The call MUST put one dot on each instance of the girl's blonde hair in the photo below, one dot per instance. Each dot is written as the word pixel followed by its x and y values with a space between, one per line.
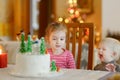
pixel 55 26
pixel 112 44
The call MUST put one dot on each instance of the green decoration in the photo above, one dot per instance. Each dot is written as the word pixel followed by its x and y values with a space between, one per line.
pixel 53 66
pixel 29 44
pixel 42 46
pixel 22 46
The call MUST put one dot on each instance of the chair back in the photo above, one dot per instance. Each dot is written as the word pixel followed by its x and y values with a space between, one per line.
pixel 77 35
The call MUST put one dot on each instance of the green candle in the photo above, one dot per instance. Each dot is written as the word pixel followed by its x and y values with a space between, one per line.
pixel 42 46
pixel 22 46
pixel 29 43
pixel 53 66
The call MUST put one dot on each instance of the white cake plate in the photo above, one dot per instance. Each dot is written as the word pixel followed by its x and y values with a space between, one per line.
pixel 45 75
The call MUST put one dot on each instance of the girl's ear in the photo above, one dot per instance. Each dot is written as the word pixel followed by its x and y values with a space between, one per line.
pixel 114 54
pixel 47 39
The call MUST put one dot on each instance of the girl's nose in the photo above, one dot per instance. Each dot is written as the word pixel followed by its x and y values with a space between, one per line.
pixel 100 51
pixel 58 41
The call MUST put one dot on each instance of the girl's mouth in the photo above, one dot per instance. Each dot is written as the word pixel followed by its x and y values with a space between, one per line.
pixel 100 56
pixel 57 45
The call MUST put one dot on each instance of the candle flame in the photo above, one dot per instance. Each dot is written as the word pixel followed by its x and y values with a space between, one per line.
pixel 0 51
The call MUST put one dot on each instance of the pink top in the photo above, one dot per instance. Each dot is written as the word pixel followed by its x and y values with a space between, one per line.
pixel 64 60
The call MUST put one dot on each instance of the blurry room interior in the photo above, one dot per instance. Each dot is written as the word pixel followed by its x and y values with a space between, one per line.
pixel 34 16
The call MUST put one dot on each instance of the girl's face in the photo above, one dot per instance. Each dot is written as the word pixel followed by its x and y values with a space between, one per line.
pixel 105 53
pixel 57 40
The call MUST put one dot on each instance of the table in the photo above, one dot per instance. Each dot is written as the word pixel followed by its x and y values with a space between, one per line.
pixel 69 74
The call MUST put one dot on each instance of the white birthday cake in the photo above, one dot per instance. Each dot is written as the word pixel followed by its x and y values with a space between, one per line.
pixel 30 64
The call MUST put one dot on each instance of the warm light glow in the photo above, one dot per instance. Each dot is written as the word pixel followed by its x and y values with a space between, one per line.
pixel 74 13
pixel 74 1
pixel 0 51
pixel 97 34
pixel 60 19
pixel 66 21
pixel 81 21
pixel 71 11
pixel 70 1
pixel 77 13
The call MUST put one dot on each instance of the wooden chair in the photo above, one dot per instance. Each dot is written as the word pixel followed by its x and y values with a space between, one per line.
pixel 75 36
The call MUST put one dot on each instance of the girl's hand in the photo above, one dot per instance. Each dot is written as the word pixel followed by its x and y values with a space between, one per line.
pixel 110 67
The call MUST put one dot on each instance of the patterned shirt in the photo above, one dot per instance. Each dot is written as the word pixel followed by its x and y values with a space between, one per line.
pixel 64 60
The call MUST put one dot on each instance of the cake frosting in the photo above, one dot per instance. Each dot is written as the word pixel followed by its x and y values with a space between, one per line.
pixel 32 64
pixel 28 61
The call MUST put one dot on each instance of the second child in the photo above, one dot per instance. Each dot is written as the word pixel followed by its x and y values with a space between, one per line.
pixel 109 54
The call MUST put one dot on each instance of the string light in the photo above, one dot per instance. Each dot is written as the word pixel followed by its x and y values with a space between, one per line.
pixel 74 13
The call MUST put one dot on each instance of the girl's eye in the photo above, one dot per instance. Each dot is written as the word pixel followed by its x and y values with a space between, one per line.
pixel 98 48
pixel 54 39
pixel 61 39
pixel 104 49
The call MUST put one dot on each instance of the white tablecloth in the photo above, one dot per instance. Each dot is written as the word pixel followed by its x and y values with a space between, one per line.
pixel 68 74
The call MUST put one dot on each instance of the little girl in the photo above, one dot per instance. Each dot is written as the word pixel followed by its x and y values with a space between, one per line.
pixel 109 54
pixel 56 38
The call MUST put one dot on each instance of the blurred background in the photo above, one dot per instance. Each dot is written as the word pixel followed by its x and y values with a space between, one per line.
pixel 34 16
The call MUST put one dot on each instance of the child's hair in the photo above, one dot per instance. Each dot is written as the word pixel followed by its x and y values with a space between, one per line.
pixel 55 26
pixel 112 44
